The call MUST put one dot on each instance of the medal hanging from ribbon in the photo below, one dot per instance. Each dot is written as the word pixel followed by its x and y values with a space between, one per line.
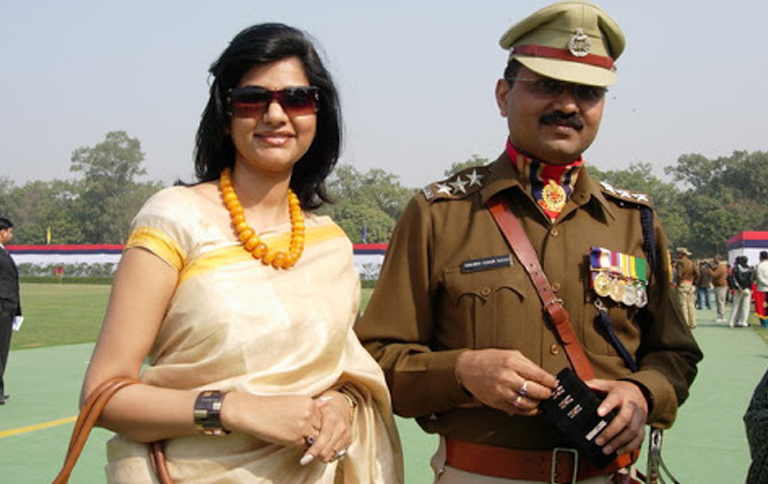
pixel 622 277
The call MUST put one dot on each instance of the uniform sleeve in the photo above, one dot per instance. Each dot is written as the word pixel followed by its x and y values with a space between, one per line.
pixel 668 353
pixel 398 324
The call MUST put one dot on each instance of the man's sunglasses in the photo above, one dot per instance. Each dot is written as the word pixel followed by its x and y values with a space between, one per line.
pixel 253 101
pixel 546 87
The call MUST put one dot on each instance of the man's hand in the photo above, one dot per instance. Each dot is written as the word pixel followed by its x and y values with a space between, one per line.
pixel 505 379
pixel 625 433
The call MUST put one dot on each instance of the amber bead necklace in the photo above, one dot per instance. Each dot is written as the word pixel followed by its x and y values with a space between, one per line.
pixel 251 240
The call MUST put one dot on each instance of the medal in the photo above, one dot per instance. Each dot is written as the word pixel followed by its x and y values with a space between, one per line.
pixel 630 295
pixel 642 297
pixel 620 276
pixel 601 284
pixel 617 290
pixel 553 197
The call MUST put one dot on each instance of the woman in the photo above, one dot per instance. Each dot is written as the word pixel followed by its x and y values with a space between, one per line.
pixel 742 279
pixel 242 302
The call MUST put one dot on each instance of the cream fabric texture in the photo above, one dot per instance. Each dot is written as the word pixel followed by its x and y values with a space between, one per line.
pixel 235 324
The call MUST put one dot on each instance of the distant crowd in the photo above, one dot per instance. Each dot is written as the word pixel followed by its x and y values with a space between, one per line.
pixel 714 283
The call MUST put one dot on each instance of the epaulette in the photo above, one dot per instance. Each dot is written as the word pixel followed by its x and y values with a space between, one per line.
pixel 457 186
pixel 625 196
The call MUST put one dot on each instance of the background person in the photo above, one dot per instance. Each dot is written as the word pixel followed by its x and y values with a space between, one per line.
pixel 704 285
pixel 720 283
pixel 455 320
pixel 10 301
pixel 761 294
pixel 687 275
pixel 242 299
pixel 743 277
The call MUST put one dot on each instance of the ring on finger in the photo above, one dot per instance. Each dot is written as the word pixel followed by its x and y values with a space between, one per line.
pixel 339 455
pixel 311 439
pixel 523 389
pixel 518 401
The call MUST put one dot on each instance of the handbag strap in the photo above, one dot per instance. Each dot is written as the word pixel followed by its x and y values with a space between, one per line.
pixel 86 420
pixel 553 306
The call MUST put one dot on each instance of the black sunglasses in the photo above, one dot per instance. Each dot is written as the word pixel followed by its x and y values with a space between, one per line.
pixel 546 87
pixel 253 101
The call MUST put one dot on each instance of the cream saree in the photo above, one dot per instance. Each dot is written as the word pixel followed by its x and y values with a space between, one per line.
pixel 235 324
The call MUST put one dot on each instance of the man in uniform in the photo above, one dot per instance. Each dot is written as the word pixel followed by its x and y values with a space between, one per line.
pixel 720 281
pixel 687 276
pixel 455 321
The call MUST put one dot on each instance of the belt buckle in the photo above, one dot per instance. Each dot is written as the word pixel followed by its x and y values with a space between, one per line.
pixel 553 472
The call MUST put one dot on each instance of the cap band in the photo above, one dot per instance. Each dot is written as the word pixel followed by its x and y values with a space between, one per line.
pixel 533 50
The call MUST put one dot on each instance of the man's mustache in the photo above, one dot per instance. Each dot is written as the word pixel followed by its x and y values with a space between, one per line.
pixel 559 118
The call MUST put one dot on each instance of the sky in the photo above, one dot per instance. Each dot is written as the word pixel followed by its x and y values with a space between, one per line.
pixel 416 79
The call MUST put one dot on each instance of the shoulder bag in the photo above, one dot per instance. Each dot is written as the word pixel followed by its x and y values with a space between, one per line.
pixel 90 412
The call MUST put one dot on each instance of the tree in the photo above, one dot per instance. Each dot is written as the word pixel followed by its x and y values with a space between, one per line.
pixel 42 206
pixel 111 196
pixel 639 177
pixel 474 160
pixel 726 197
pixel 373 200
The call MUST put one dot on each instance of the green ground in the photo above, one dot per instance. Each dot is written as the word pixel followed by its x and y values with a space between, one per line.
pixel 707 444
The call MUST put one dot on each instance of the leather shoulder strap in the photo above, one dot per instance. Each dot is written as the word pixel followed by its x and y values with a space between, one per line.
pixel 552 305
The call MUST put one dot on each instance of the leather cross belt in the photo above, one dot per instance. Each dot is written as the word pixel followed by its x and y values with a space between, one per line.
pixel 560 465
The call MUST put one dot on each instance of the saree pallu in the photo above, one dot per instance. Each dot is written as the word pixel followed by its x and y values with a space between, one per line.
pixel 235 324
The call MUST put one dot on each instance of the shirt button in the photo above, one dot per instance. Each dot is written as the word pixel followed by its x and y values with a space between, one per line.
pixel 486 291
pixel 556 286
pixel 554 349
pixel 554 232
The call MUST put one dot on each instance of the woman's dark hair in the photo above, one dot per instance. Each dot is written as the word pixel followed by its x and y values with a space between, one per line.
pixel 264 44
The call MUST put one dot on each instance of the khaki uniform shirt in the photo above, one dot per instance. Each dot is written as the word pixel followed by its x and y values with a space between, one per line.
pixel 425 311
pixel 686 270
pixel 720 275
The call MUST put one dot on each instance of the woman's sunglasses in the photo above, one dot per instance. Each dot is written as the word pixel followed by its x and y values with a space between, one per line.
pixel 253 101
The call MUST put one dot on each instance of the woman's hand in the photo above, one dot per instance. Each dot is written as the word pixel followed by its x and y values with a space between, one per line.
pixel 286 420
pixel 336 434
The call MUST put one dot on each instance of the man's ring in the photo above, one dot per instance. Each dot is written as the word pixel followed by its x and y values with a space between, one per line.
pixel 310 440
pixel 518 401
pixel 523 390
pixel 339 455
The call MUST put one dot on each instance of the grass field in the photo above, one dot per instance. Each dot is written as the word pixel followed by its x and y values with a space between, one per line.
pixel 60 314
pixel 62 321
pixel 61 324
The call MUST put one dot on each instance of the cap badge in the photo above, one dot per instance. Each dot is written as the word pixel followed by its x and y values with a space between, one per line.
pixel 579 44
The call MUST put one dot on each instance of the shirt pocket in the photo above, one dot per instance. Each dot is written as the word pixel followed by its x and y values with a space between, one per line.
pixel 486 306
pixel 624 325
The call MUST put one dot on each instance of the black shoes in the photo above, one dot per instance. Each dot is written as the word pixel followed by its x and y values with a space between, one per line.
pixel 5 397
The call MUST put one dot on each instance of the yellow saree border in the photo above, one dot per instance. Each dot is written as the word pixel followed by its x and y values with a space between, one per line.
pixel 158 242
pixel 235 253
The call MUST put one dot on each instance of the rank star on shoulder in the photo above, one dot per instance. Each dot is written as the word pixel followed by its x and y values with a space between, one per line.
pixel 443 188
pixel 474 178
pixel 459 185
